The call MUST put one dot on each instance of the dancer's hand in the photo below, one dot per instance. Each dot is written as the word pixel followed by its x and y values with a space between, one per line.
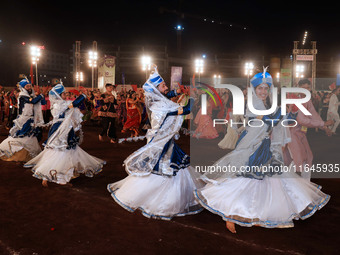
pixel 329 123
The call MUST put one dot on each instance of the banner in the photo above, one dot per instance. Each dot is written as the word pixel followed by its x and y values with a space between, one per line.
pixel 304 57
pixel 106 71
pixel 338 80
pixel 286 78
pixel 176 77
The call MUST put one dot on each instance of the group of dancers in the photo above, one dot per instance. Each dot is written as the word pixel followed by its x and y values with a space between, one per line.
pixel 62 159
pixel 160 182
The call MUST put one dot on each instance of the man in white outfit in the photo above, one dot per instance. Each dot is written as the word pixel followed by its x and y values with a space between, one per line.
pixel 332 113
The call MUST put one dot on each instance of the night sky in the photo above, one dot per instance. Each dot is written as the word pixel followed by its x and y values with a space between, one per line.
pixel 271 26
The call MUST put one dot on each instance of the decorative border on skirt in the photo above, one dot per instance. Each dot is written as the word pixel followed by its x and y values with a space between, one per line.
pixel 76 173
pixel 247 222
pixel 197 208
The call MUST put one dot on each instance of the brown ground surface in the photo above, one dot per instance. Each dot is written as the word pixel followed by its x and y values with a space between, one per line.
pixel 84 219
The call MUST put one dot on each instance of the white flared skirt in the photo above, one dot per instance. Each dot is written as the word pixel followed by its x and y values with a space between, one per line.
pixel 157 196
pixel 11 145
pixel 60 166
pixel 272 202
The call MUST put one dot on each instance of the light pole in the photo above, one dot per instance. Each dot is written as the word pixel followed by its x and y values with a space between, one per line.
pixel 146 65
pixel 217 79
pixel 179 29
pixel 248 68
pixel 93 56
pixel 278 77
pixel 79 77
pixel 199 65
pixel 299 71
pixel 35 54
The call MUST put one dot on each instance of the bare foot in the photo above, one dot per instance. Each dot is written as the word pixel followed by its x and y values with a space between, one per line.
pixel 67 184
pixel 231 227
pixel 44 183
pixel 100 138
pixel 112 141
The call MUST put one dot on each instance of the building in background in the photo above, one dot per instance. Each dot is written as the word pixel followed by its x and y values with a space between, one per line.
pixel 128 68
pixel 50 65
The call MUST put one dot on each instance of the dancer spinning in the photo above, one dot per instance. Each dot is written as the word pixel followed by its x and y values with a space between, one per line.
pixel 63 159
pixel 159 182
pixel 270 199
pixel 22 143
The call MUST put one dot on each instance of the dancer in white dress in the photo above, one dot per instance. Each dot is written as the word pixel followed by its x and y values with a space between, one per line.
pixel 63 159
pixel 254 196
pixel 160 181
pixel 22 143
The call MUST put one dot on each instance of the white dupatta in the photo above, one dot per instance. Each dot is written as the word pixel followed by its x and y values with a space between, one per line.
pixel 73 118
pixel 163 128
pixel 28 112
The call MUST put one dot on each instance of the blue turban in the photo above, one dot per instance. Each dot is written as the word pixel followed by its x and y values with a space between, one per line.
pixel 261 78
pixel 24 82
pixel 155 79
pixel 59 88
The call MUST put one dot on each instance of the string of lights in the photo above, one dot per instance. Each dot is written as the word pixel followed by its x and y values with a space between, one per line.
pixel 227 24
pixel 304 38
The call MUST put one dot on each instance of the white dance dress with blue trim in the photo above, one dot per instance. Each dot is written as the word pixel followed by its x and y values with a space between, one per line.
pixel 247 193
pixel 62 159
pixel 160 181
pixel 26 131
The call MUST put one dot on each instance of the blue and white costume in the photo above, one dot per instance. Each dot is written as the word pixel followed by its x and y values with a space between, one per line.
pixel 248 194
pixel 160 181
pixel 26 130
pixel 63 159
